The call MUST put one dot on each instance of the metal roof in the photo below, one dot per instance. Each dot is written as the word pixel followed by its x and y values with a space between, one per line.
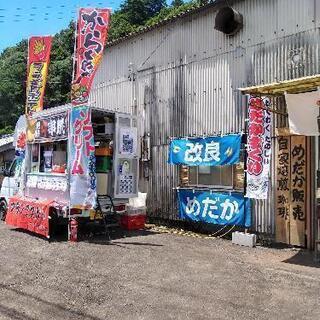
pixel 188 12
pixel 6 140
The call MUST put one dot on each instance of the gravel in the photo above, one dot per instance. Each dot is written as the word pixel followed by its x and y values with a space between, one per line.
pixel 148 275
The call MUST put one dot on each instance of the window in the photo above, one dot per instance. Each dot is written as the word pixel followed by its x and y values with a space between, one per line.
pixel 220 177
pixel 48 157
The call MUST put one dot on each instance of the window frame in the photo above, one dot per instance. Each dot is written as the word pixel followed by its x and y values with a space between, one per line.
pixel 220 187
pixel 233 187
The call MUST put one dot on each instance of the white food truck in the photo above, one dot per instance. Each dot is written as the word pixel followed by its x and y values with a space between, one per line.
pixel 50 171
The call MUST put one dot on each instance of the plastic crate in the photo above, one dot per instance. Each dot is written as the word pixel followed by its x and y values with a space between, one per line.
pixel 133 211
pixel 133 222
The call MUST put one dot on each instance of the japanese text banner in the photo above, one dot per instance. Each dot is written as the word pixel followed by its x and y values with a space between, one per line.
pixel 259 148
pixel 38 63
pixel 209 151
pixel 215 208
pixel 91 37
pixel 82 160
pixel 29 214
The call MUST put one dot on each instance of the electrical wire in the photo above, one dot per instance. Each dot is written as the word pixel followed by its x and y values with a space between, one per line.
pixel 21 14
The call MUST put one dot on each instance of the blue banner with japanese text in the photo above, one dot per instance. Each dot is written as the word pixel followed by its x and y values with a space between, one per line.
pixel 216 208
pixel 206 151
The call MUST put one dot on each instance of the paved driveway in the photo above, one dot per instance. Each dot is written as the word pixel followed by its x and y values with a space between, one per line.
pixel 153 276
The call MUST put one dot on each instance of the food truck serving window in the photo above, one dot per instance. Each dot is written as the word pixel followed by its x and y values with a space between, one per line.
pixel 47 139
pixel 48 157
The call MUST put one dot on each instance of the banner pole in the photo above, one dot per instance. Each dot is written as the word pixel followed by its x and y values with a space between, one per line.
pixel 245 158
pixel 75 48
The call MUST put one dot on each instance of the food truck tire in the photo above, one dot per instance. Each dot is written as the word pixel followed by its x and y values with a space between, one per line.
pixel 53 224
pixel 3 209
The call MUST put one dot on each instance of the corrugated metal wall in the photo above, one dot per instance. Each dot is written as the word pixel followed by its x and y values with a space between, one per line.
pixel 187 75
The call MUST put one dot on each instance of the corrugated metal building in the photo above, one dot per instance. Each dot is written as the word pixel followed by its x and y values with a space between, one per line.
pixel 186 75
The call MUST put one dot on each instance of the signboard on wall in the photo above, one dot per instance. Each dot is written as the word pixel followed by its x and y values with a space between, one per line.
pixel 291 202
pixel 207 151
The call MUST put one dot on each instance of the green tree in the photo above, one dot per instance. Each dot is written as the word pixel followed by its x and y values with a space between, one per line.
pixel 154 6
pixel 177 3
pixel 138 11
pixel 60 68
pixel 120 26
pixel 13 62
pixel 132 15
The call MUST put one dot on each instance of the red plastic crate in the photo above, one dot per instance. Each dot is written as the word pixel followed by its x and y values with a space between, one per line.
pixel 133 222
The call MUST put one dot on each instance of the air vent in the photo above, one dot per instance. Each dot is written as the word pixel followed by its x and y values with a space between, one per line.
pixel 228 21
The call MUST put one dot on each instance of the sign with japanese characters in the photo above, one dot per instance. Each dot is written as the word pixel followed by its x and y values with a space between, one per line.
pixel 208 151
pixel 258 148
pixel 29 214
pixel 291 191
pixel 216 208
pixel 82 161
pixel 38 63
pixel 92 30
pixel 283 168
pixel 52 183
pixel 51 128
pixel 128 141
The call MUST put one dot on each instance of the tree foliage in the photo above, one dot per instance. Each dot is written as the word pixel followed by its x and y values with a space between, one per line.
pixel 177 3
pixel 132 15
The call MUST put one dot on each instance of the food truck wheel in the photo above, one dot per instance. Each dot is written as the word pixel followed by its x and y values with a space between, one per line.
pixel 3 209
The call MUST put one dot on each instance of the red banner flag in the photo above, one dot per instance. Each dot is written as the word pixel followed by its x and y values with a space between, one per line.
pixel 92 30
pixel 38 63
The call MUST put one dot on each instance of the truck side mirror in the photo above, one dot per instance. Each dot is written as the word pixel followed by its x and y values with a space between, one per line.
pixel 6 173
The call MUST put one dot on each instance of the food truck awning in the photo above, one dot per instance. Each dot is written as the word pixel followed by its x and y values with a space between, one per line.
pixel 297 85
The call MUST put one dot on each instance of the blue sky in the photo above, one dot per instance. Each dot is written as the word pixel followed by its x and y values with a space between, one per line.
pixel 21 18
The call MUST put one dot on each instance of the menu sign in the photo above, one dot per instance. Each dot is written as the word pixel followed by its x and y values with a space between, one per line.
pixel 51 128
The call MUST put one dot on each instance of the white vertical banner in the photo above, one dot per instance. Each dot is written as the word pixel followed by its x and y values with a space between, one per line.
pixel 258 147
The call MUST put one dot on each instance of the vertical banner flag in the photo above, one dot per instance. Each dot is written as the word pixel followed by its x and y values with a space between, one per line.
pixel 82 160
pixel 215 208
pixel 259 147
pixel 38 63
pixel 92 30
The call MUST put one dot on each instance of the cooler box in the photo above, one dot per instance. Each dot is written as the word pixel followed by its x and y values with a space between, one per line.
pixel 133 219
pixel 103 183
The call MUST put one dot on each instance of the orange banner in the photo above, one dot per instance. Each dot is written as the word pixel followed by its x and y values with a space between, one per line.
pixel 38 63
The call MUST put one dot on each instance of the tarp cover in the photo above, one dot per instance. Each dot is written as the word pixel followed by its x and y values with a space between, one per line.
pixel 303 112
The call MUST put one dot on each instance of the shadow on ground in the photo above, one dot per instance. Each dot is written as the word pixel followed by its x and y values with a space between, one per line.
pixel 303 258
pixel 60 309
pixel 97 236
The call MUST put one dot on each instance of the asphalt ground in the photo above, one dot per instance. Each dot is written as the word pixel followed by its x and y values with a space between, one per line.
pixel 150 275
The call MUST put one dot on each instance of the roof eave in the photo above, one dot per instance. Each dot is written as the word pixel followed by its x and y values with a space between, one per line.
pixel 297 85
